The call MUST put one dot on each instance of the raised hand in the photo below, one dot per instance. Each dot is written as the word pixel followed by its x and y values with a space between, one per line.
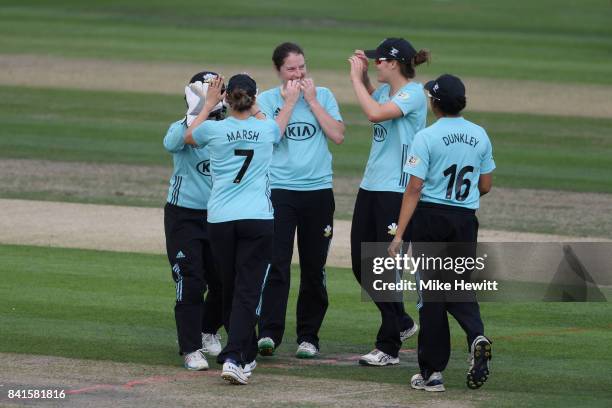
pixel 291 91
pixel 309 89
pixel 357 68
pixel 361 55
pixel 215 92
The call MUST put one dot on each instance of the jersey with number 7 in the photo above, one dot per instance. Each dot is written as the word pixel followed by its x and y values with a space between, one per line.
pixel 240 157
pixel 449 156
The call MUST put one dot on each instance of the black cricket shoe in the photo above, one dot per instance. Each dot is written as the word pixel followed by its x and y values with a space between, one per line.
pixel 478 372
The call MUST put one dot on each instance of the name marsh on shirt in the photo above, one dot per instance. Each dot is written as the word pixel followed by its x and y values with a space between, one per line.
pixel 243 134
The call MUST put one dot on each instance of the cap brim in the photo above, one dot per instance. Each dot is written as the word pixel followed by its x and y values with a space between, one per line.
pixel 371 54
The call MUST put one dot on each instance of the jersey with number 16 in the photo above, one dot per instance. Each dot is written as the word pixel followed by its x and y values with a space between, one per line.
pixel 240 157
pixel 449 156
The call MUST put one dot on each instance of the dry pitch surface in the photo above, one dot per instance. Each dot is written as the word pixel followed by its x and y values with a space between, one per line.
pixel 102 384
pixel 510 96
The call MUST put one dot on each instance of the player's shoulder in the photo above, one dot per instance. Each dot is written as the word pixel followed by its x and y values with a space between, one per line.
pixel 178 125
pixel 411 90
pixel 476 128
pixel 322 90
pixel 269 93
pixel 424 135
pixel 271 125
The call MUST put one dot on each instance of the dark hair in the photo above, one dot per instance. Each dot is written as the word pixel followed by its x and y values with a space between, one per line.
pixel 407 69
pixel 451 108
pixel 239 100
pixel 282 51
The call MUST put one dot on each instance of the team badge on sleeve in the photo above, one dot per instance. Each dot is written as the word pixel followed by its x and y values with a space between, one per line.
pixel 327 231
pixel 403 96
pixel 413 161
pixel 392 229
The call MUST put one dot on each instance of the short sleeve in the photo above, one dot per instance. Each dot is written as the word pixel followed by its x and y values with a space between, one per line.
pixel 266 105
pixel 174 140
pixel 330 104
pixel 488 164
pixel 407 101
pixel 417 163
pixel 275 131
pixel 202 134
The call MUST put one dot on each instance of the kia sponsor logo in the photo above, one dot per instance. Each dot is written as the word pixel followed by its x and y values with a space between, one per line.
pixel 380 133
pixel 203 167
pixel 300 131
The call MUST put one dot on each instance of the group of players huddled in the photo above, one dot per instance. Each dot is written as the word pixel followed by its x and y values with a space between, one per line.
pixel 253 169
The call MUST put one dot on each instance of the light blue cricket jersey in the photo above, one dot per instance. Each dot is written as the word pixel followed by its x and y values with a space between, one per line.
pixel 302 160
pixel 392 138
pixel 450 156
pixel 190 183
pixel 240 156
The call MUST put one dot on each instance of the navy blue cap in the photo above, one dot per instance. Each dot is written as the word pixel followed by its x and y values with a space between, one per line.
pixel 393 49
pixel 242 81
pixel 447 88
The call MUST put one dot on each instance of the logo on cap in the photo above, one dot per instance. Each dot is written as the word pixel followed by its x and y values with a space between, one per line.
pixel 394 51
pixel 436 87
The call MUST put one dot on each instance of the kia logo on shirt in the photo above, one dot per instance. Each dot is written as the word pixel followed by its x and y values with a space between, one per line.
pixel 300 131
pixel 203 167
pixel 380 133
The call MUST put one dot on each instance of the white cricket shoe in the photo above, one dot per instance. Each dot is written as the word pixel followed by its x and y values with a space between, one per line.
pixel 435 382
pixel 306 350
pixel 249 368
pixel 211 344
pixel 406 334
pixel 196 361
pixel 378 358
pixel 234 374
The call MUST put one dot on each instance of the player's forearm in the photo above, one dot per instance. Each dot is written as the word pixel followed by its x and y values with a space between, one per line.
pixel 370 107
pixel 409 203
pixel 368 85
pixel 283 117
pixel 332 128
pixel 202 116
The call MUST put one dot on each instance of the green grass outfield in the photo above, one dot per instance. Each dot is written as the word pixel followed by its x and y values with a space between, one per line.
pixel 549 40
pixel 531 151
pixel 118 306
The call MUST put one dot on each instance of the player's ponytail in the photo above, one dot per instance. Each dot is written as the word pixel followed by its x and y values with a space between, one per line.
pixel 451 107
pixel 239 100
pixel 421 57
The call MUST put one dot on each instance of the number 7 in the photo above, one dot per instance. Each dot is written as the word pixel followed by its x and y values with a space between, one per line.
pixel 248 157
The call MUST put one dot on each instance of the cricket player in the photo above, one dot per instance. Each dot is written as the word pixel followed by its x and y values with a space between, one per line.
pixel 187 240
pixel 301 181
pixel 240 213
pixel 397 110
pixel 450 166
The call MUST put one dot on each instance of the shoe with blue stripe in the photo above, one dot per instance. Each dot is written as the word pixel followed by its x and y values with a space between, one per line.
pixel 480 355
pixel 435 382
